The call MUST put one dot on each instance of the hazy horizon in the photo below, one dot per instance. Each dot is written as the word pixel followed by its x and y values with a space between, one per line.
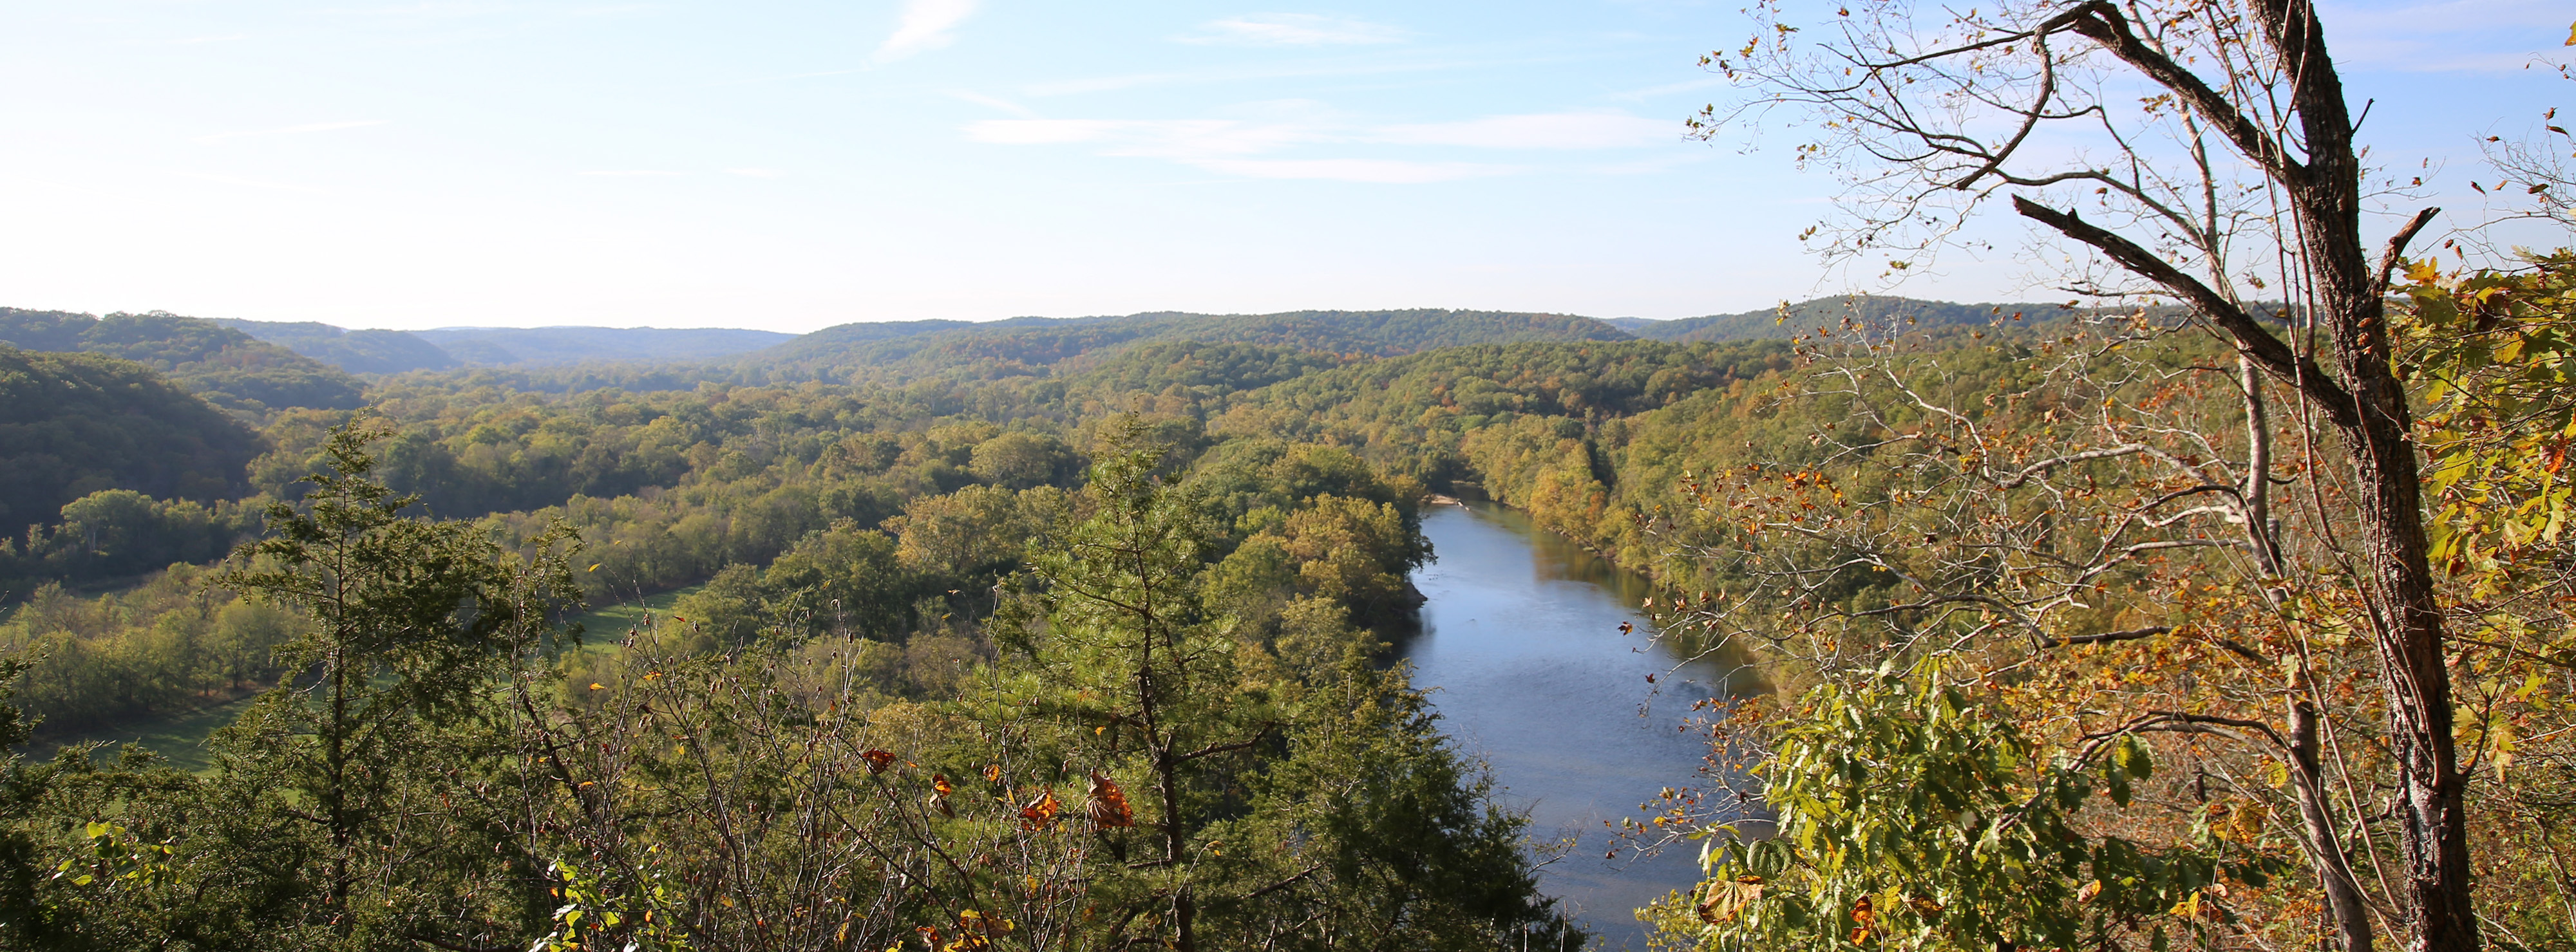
pixel 790 166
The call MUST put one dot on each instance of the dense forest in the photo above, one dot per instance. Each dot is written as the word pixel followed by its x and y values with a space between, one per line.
pixel 230 369
pixel 1072 635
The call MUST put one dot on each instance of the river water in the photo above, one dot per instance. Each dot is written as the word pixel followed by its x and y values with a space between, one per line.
pixel 1521 650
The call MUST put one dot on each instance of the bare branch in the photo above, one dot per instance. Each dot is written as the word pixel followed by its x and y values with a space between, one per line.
pixel 2275 357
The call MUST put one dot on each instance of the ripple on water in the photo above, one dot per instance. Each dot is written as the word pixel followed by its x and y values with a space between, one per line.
pixel 1521 650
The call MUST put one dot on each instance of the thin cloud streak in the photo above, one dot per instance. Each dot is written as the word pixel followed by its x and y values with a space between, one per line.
pixel 779 78
pixel 1667 89
pixel 925 25
pixel 1292 29
pixel 1374 171
pixel 252 183
pixel 1198 137
pixel 1242 148
pixel 994 102
pixel 1564 130
pixel 294 130
pixel 2475 36
pixel 1098 84
pixel 629 173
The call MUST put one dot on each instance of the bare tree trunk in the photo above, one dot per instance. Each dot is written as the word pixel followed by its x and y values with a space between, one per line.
pixel 2274 97
pixel 2345 906
pixel 2258 477
pixel 2407 619
pixel 2408 623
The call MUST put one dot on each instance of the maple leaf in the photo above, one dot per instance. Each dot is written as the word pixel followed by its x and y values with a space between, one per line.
pixel 1108 803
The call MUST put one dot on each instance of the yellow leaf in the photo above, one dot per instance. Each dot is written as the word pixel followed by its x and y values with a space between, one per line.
pixel 596 686
pixel 593 567
pixel 2571 34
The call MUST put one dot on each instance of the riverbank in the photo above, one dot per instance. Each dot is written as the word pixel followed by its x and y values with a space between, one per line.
pixel 1540 664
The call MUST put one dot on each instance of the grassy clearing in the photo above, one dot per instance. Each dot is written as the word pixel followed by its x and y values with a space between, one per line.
pixel 181 737
pixel 605 626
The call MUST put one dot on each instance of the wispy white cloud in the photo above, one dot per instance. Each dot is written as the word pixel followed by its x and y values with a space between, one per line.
pixel 1560 130
pixel 293 130
pixel 1381 171
pixel 1650 92
pixel 1250 147
pixel 1102 84
pixel 629 173
pixel 1310 69
pixel 1184 139
pixel 224 38
pixel 252 183
pixel 784 76
pixel 1650 166
pixel 925 25
pixel 755 173
pixel 1292 29
pixel 994 102
pixel 2447 35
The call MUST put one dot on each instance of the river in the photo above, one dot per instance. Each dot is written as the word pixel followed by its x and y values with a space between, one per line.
pixel 1521 650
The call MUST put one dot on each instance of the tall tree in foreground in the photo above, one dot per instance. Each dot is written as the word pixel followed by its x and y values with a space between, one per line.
pixel 2212 144
pixel 373 741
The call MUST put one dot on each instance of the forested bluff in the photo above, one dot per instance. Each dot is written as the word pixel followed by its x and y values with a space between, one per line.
pixel 1070 634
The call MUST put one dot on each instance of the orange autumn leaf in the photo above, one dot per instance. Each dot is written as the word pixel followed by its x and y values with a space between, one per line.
pixel 1108 803
pixel 1040 812
pixel 939 790
pixel 877 760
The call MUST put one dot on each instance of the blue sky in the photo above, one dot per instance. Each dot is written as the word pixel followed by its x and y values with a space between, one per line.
pixel 794 165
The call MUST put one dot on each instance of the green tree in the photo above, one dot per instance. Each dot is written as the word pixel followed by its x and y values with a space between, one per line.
pixel 1128 653
pixel 2493 354
pixel 1912 814
pixel 1288 793
pixel 2200 152
pixel 412 622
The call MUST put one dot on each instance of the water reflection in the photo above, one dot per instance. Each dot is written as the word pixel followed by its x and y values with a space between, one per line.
pixel 1521 645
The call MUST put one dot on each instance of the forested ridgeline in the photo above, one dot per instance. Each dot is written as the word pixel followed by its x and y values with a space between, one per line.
pixel 1875 310
pixel 1991 569
pixel 671 488
pixel 108 470
pixel 1143 710
pixel 228 368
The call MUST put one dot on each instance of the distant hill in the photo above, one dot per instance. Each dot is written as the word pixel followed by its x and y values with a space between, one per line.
pixel 75 423
pixel 228 368
pixel 554 346
pixel 365 352
pixel 1037 345
pixel 1829 311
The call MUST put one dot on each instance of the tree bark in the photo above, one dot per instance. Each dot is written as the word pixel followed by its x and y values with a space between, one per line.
pixel 2365 402
pixel 2345 906
pixel 2407 618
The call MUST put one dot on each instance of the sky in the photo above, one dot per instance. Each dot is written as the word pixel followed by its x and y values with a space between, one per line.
pixel 789 166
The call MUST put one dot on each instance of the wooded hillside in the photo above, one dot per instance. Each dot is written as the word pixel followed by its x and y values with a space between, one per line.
pixel 227 367
pixel 72 424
